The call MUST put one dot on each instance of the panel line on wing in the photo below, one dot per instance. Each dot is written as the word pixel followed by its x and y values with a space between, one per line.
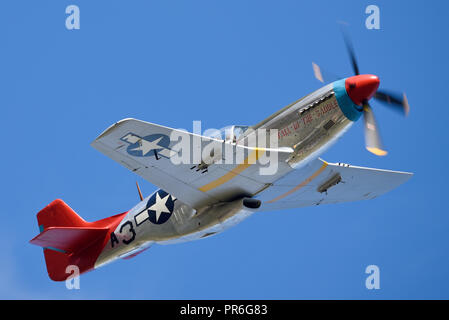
pixel 302 184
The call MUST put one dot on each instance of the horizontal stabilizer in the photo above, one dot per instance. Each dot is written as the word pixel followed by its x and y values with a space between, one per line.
pixel 69 239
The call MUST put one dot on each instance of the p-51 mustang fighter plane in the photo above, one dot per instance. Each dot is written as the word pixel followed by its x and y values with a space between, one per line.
pixel 197 200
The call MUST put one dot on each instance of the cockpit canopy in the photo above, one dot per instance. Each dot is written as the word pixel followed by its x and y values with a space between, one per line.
pixel 228 133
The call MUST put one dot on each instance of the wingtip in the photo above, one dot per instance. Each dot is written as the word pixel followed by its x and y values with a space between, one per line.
pixel 112 127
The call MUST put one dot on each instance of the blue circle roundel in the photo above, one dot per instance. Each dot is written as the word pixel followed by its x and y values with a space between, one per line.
pixel 160 207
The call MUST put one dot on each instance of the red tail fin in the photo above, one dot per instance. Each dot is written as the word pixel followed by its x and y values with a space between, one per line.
pixel 69 240
pixel 59 214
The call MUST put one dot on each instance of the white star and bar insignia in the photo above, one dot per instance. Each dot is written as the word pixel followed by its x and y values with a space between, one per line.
pixel 158 210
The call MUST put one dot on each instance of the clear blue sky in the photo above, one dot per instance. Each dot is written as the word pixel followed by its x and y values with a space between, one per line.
pixel 222 62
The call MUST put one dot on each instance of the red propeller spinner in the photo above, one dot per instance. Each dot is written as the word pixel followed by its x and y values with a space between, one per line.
pixel 361 88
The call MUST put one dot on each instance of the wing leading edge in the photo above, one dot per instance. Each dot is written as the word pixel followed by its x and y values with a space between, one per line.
pixel 148 150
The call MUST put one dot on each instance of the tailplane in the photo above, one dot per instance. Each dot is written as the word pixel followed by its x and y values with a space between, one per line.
pixel 68 239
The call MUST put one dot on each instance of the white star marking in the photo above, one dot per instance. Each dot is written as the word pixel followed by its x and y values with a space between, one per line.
pixel 146 146
pixel 160 206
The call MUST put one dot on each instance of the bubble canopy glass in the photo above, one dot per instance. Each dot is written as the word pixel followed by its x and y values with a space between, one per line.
pixel 228 133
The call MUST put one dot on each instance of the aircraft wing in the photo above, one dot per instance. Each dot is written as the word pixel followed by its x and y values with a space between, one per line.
pixel 320 182
pixel 148 150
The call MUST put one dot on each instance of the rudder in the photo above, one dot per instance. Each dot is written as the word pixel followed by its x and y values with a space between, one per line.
pixel 68 239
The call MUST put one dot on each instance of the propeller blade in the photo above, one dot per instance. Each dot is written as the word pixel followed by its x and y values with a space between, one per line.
pixel 317 72
pixel 350 48
pixel 324 75
pixel 372 137
pixel 399 103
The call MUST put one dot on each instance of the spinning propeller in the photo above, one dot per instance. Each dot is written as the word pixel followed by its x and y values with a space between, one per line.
pixel 361 88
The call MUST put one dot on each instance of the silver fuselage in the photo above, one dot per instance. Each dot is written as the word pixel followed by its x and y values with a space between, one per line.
pixel 308 135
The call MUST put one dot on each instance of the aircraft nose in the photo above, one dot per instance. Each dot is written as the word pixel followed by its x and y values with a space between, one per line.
pixel 361 87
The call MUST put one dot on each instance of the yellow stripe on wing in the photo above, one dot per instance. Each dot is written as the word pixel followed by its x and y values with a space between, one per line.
pixel 251 159
pixel 302 184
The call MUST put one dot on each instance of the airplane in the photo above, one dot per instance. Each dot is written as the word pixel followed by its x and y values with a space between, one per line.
pixel 199 199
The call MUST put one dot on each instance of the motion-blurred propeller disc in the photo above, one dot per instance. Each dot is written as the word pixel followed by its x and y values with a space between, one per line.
pixel 361 88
